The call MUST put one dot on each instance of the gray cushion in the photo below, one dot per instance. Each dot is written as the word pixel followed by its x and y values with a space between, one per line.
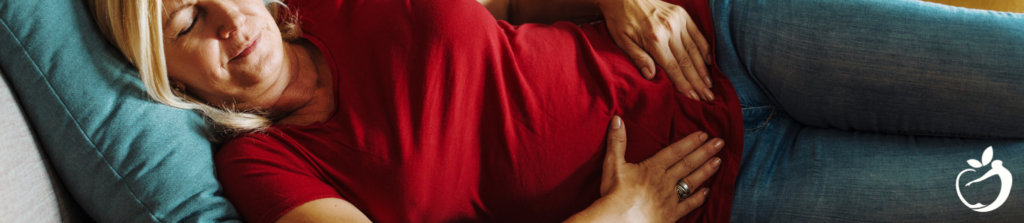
pixel 29 189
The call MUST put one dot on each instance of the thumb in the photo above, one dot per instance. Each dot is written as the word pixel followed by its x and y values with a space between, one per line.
pixel 615 153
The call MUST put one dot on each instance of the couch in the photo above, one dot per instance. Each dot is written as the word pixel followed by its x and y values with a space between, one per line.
pixel 67 143
pixel 30 191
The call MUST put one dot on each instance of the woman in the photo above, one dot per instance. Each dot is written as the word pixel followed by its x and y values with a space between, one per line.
pixel 453 117
pixel 409 111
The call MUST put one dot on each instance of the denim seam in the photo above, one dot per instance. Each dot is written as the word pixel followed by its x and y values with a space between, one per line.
pixel 751 107
pixel 946 134
pixel 766 120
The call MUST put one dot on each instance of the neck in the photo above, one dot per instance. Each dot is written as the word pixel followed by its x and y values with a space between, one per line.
pixel 308 97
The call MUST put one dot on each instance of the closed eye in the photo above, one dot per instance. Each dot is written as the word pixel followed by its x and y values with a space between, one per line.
pixel 195 18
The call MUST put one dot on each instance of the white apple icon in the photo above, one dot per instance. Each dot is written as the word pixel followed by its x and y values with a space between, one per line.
pixel 997 170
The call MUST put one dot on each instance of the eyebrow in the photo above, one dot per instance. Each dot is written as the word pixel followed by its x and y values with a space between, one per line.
pixel 174 13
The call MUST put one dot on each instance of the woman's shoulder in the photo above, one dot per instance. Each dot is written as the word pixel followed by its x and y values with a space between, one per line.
pixel 254 144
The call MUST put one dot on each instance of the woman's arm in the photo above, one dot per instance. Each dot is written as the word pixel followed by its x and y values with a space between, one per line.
pixel 498 8
pixel 649 31
pixel 324 210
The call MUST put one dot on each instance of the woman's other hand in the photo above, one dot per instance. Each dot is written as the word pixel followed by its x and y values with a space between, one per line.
pixel 653 31
pixel 646 191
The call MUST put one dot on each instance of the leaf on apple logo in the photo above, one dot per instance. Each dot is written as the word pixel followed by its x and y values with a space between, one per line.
pixel 974 163
pixel 986 157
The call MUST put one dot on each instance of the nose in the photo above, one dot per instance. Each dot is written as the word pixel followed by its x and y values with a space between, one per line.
pixel 233 20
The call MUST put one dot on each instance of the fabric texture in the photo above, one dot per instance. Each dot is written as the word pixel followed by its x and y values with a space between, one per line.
pixel 124 157
pixel 814 171
pixel 846 65
pixel 26 192
pixel 445 114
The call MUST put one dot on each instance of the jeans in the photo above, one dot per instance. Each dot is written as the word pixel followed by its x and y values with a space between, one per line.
pixel 869 110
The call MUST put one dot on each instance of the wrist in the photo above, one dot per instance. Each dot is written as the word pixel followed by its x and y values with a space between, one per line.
pixel 623 10
pixel 613 208
pixel 603 5
pixel 602 210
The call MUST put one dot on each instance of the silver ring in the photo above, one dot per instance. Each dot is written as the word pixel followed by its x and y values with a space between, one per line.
pixel 682 189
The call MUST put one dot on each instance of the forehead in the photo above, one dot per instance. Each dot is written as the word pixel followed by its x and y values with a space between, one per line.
pixel 172 7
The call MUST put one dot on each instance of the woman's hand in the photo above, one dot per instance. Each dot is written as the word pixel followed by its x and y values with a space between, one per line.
pixel 646 191
pixel 646 28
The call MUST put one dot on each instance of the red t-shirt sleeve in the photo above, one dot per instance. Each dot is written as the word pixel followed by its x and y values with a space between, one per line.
pixel 264 178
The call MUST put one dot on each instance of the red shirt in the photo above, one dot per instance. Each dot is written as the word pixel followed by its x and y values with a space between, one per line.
pixel 445 114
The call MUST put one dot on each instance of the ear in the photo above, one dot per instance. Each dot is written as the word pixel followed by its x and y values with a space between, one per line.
pixel 178 88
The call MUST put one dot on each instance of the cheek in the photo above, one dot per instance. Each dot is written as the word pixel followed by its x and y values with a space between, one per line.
pixel 197 64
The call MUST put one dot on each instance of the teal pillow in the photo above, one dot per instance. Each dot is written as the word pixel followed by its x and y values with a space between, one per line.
pixel 124 157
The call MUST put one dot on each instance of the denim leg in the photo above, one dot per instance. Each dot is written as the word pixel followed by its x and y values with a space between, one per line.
pixel 794 173
pixel 890 66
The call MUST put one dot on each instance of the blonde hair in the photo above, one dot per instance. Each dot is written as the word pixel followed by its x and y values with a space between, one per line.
pixel 134 26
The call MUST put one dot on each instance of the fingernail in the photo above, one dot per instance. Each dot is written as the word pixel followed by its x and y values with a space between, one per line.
pixel 707 93
pixel 706 191
pixel 618 122
pixel 703 136
pixel 718 144
pixel 693 95
pixel 716 162
pixel 707 81
pixel 647 73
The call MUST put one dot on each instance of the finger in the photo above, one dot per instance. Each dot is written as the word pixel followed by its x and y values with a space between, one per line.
pixel 676 151
pixel 641 59
pixel 663 56
pixel 688 66
pixel 696 158
pixel 615 154
pixel 702 174
pixel 692 202
pixel 698 38
pixel 679 52
pixel 698 62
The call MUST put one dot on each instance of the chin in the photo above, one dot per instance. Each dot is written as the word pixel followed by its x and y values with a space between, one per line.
pixel 265 68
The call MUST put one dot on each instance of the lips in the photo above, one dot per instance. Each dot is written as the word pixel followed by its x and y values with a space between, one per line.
pixel 248 49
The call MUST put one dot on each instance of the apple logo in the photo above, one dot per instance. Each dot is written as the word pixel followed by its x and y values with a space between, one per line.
pixel 997 170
